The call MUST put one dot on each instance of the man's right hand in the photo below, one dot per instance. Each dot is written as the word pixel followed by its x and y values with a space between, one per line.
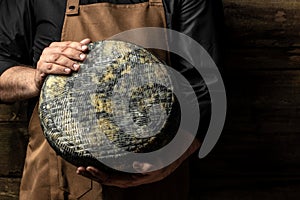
pixel 21 82
pixel 60 58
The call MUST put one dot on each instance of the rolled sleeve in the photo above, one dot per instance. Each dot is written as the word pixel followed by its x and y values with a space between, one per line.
pixel 15 26
pixel 6 64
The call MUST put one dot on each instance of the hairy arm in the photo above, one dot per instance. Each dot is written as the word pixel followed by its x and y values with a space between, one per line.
pixel 18 83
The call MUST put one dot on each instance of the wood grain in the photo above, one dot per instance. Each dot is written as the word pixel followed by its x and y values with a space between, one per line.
pixel 16 112
pixel 263 23
pixel 13 144
pixel 9 188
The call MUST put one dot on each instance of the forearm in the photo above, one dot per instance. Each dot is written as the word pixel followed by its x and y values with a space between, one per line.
pixel 18 83
pixel 60 58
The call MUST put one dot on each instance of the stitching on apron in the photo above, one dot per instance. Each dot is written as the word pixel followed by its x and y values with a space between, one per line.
pixel 155 2
pixel 72 7
pixel 122 6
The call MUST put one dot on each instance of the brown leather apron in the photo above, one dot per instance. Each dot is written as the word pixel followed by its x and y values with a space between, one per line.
pixel 46 175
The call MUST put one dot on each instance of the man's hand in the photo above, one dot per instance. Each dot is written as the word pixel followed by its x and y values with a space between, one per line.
pixel 125 180
pixel 143 176
pixel 24 82
pixel 60 58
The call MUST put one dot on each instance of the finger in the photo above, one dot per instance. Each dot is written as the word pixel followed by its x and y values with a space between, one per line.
pixel 97 173
pixel 93 171
pixel 83 172
pixel 64 62
pixel 75 45
pixel 52 54
pixel 71 53
pixel 85 41
pixel 80 170
pixel 49 68
pixel 50 60
pixel 142 167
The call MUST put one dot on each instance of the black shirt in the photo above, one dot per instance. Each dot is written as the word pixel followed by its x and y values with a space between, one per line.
pixel 28 26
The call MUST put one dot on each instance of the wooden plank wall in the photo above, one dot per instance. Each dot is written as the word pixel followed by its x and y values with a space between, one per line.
pixel 13 140
pixel 258 154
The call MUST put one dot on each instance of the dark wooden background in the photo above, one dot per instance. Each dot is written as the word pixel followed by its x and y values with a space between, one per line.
pixel 258 154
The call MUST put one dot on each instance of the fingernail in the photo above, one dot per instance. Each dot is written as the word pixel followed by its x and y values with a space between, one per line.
pixel 82 56
pixel 85 41
pixel 67 70
pixel 76 66
pixel 90 169
pixel 84 47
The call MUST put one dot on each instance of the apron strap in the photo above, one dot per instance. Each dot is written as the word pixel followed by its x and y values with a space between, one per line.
pixel 72 7
pixel 155 3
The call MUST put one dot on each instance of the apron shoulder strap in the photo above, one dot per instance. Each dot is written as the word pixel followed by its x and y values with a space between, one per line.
pixel 72 7
pixel 156 2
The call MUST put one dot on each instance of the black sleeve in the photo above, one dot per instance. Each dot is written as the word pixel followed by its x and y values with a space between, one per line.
pixel 15 33
pixel 202 20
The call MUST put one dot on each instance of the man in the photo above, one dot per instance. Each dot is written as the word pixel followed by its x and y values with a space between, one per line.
pixel 42 37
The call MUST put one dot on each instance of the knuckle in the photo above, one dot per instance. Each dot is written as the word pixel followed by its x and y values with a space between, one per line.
pixel 62 49
pixel 52 44
pixel 43 67
pixel 68 43
pixel 49 66
pixel 46 50
pixel 73 43
pixel 54 57
pixel 76 45
pixel 39 63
